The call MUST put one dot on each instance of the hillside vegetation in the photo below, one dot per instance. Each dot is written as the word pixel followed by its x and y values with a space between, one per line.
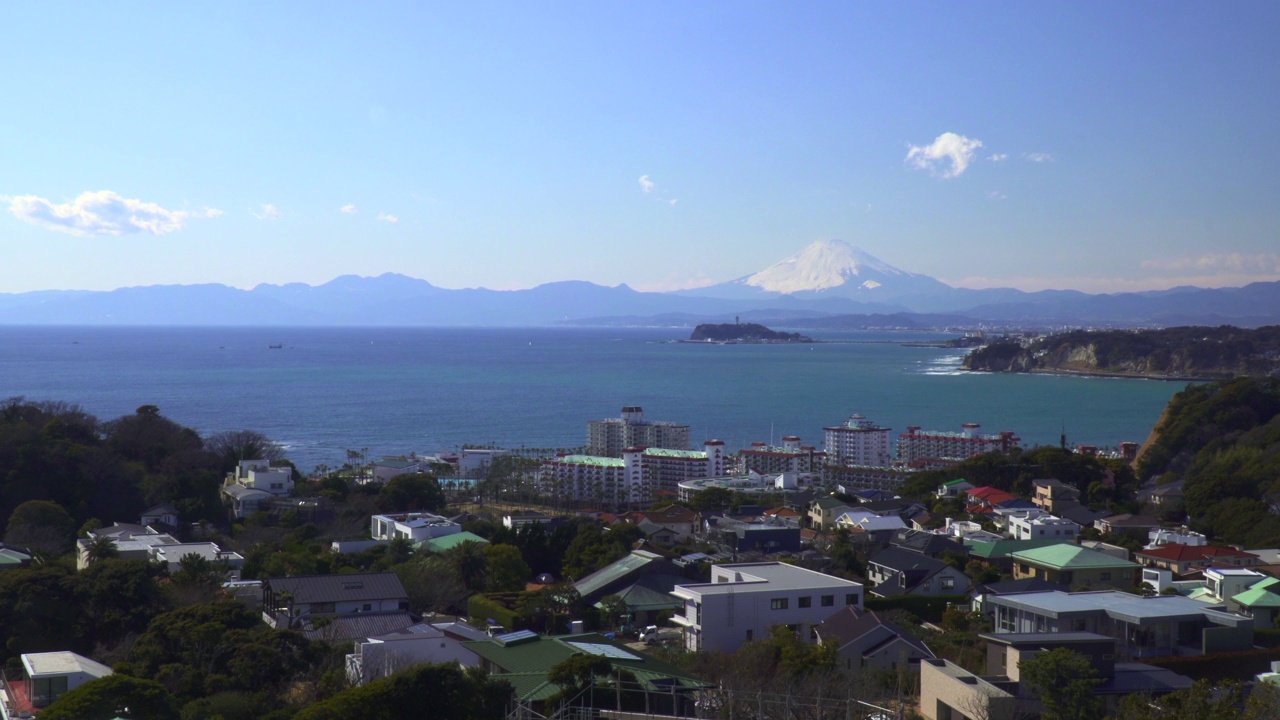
pixel 1223 440
pixel 1182 352
pixel 743 332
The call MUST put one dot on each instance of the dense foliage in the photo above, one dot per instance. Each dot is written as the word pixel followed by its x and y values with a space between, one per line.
pixel 446 692
pixel 1223 440
pixel 747 332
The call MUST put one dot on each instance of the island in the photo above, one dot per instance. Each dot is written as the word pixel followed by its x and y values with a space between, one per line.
pixel 743 333
pixel 1177 353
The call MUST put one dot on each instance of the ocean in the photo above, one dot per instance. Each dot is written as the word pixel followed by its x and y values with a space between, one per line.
pixel 391 391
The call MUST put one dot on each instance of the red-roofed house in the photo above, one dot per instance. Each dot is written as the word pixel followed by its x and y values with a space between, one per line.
pixel 1182 559
pixel 986 497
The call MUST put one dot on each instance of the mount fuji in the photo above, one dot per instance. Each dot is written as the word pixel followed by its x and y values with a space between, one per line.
pixel 830 269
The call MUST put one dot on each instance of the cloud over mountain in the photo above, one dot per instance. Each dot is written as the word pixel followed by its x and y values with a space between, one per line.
pixel 103 213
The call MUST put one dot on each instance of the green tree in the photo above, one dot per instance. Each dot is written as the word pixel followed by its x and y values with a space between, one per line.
pixel 114 696
pixel 102 547
pixel 1064 682
pixel 470 563
pixel 43 526
pixel 427 692
pixel 411 492
pixel 506 568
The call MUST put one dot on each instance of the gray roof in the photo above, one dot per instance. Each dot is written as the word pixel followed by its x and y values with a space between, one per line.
pixel 358 626
pixel 1142 678
pixel 340 588
pixel 1119 605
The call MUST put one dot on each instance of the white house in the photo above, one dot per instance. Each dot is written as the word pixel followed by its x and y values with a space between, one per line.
pixel 1042 526
pixel 51 674
pixel 387 468
pixel 259 475
pixel 414 527
pixel 744 600
pixel 435 643
pixel 171 556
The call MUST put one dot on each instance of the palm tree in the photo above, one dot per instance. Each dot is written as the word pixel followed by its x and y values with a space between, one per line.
pixel 100 547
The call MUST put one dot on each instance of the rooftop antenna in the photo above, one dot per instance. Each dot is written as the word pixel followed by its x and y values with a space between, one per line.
pixel 1063 438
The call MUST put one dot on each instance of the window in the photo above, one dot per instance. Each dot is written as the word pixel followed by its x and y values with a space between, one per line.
pixel 828 600
pixel 748 636
pixel 851 599
pixel 804 602
pixel 778 604
pixel 367 607
pixel 1106 576
pixel 948 583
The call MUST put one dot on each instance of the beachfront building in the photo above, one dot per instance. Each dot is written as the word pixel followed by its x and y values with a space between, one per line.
pixel 790 457
pixel 259 475
pixel 609 437
pixel 639 477
pixel 929 448
pixel 744 600
pixel 857 441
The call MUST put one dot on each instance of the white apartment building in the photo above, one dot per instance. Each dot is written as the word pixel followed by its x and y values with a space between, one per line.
pixel 744 600
pixel 1043 526
pixel 609 437
pixel 635 478
pixel 917 447
pixel 790 457
pixel 857 441
pixel 414 527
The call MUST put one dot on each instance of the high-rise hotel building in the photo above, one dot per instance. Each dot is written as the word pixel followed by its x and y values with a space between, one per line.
pixel 608 438
pixel 857 441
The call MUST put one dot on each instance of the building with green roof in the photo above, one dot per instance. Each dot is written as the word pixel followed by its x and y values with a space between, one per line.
pixel 998 553
pixel 1074 566
pixel 525 658
pixel 1260 602
pixel 440 544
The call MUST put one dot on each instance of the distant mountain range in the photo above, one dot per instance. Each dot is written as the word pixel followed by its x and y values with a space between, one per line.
pixel 828 285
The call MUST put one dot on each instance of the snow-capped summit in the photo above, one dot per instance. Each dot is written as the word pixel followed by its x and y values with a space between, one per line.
pixel 830 269
pixel 824 265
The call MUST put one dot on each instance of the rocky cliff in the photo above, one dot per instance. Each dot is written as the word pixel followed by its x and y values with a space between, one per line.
pixel 1185 352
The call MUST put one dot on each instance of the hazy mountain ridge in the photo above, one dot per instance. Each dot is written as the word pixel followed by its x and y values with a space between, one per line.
pixel 835 286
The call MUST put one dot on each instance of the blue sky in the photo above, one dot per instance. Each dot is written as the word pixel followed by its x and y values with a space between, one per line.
pixel 1097 146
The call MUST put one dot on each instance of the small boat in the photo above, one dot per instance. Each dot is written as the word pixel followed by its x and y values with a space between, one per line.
pixel 275 347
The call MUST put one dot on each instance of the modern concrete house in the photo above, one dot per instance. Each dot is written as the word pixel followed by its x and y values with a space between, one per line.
pixel 744 600
pixel 1143 626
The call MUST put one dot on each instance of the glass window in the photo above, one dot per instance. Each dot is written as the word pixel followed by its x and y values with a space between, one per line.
pixel 828 600
pixel 804 602
pixel 778 604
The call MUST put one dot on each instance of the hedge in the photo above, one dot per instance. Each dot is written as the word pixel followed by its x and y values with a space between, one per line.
pixel 1238 665
pixel 481 608
pixel 925 607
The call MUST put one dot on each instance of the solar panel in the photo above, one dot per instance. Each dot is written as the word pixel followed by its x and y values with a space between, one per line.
pixel 603 650
pixel 517 637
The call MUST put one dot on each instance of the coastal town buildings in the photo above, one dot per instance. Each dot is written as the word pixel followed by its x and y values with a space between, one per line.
pixel 609 437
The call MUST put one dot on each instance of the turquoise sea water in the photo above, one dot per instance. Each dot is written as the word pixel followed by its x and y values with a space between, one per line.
pixel 423 389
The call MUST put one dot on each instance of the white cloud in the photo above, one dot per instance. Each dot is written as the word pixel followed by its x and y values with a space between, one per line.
pixel 103 213
pixel 672 201
pixel 1219 264
pixel 269 212
pixel 996 195
pixel 957 150
pixel 1040 157
pixel 646 185
pixel 384 217
pixel 998 157
pixel 348 209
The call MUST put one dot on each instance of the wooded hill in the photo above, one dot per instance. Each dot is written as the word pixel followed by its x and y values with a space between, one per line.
pixel 1181 352
pixel 743 332
pixel 1223 440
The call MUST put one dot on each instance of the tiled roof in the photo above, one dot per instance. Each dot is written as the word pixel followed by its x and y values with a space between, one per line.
pixel 1070 557
pixel 1004 548
pixel 351 587
pixel 356 627
pixel 1190 553
pixel 849 624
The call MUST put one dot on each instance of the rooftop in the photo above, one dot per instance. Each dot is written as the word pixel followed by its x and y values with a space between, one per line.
pixel 1120 605
pixel 683 454
pixel 1070 557
pixel 779 576
pixel 62 663
pixel 593 460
